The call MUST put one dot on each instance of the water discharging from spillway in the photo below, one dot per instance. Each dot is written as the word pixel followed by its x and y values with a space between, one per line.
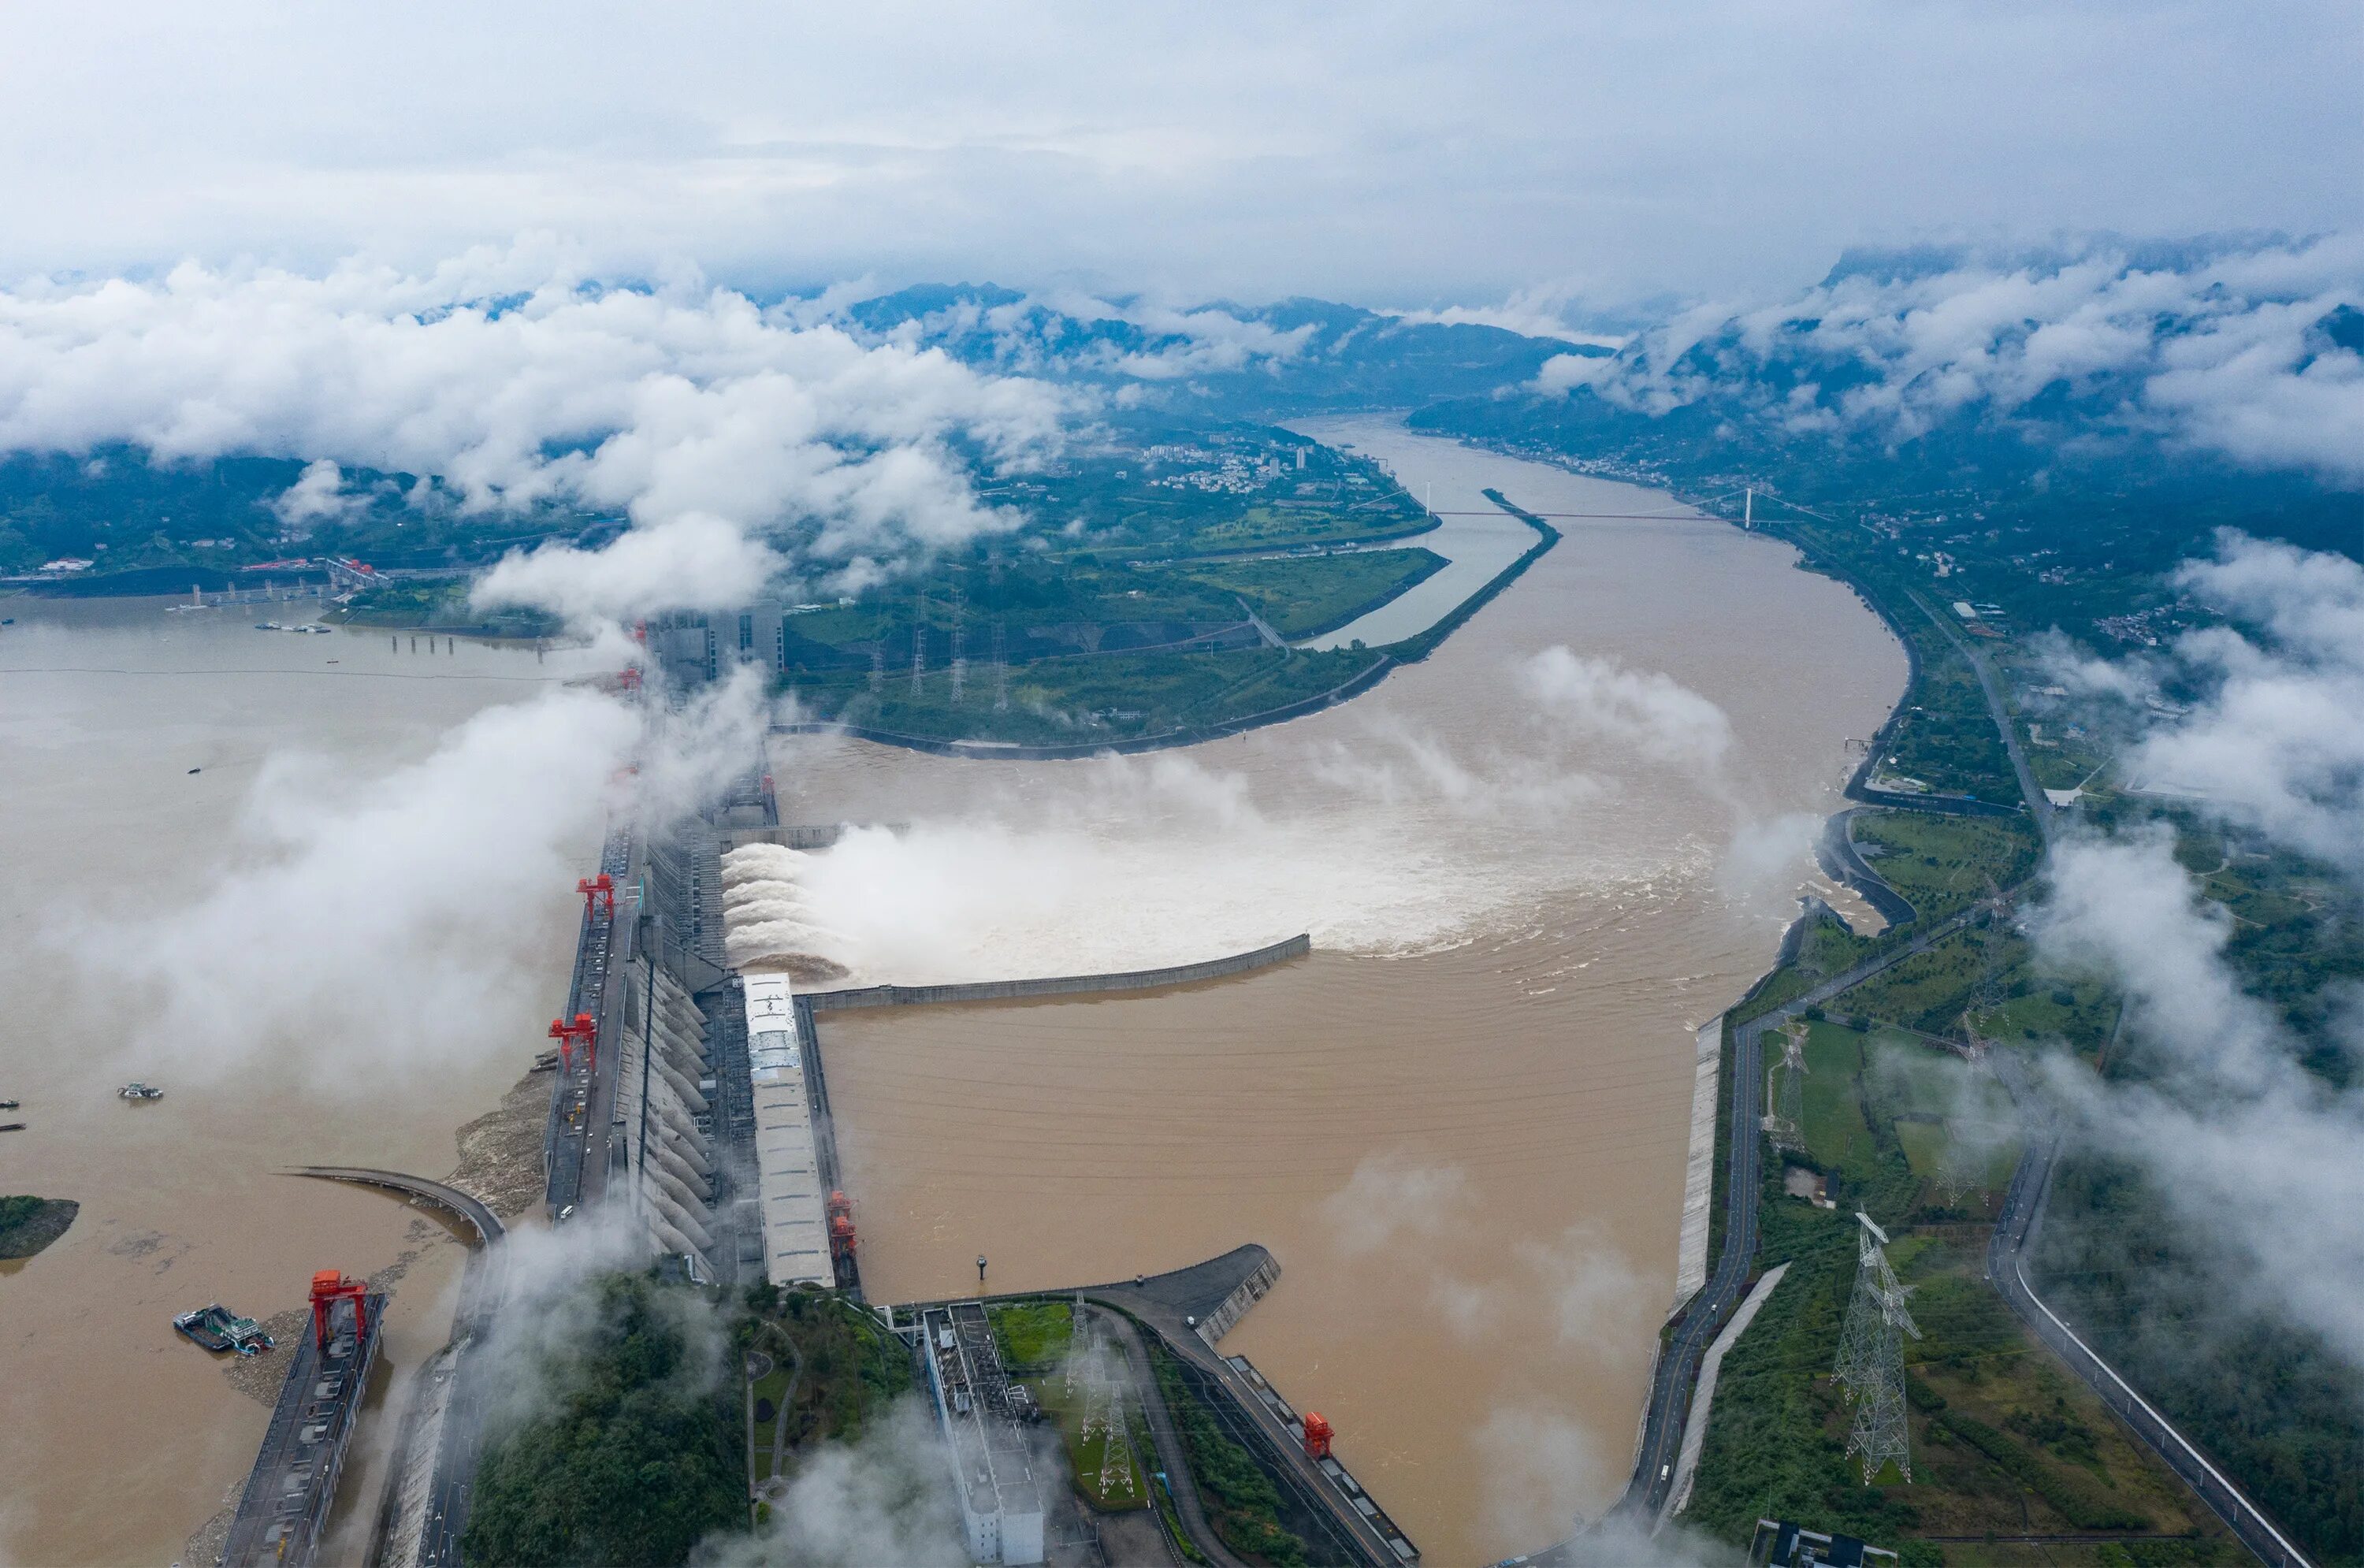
pixel 1461 1124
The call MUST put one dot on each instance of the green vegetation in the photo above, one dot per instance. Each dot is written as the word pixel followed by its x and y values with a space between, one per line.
pixel 1088 1451
pixel 636 1448
pixel 1942 864
pixel 1942 740
pixel 29 1224
pixel 2113 1260
pixel 1085 701
pixel 833 1367
pixel 632 1456
pixel 1144 1447
pixel 441 605
pixel 1241 1498
pixel 1306 597
pixel 1032 1336
pixel 2004 1441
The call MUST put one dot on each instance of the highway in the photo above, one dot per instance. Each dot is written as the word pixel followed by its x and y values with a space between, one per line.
pixel 1678 1368
pixel 2015 1232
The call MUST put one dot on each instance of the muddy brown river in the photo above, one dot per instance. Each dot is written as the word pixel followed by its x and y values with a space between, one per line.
pixel 122 1438
pixel 1529 866
pixel 1461 1124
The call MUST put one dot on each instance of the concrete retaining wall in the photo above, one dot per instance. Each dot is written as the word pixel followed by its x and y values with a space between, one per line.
pixel 1253 1289
pixel 1061 986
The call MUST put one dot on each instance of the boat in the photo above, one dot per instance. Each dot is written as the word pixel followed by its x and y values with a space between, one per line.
pixel 7 1105
pixel 216 1327
pixel 136 1090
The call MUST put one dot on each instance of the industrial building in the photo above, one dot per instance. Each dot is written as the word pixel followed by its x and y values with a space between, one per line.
pixel 1781 1545
pixel 984 1418
pixel 790 1190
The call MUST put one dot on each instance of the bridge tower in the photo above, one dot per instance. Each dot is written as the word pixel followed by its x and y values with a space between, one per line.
pixel 1871 1356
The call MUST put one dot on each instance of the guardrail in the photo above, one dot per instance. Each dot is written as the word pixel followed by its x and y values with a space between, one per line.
pixel 2015 1232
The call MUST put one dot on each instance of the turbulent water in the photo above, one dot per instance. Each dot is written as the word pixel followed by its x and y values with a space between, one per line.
pixel 1530 866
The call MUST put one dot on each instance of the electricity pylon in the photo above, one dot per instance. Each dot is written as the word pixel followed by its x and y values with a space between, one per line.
pixel 1871 1355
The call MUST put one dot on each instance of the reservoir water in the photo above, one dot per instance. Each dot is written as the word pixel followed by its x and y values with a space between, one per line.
pixel 131 742
pixel 1528 865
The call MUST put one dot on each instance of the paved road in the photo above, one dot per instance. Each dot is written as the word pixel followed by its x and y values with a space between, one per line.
pixel 1678 1368
pixel 1181 1483
pixel 2039 807
pixel 2015 1231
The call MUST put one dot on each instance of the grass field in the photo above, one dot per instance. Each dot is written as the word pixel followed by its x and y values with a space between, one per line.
pixel 1110 1487
pixel 1305 597
pixel 1267 526
pixel 1069 701
pixel 1941 864
pixel 1032 1336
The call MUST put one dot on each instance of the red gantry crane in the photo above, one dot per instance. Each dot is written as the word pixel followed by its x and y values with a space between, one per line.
pixel 567 1034
pixel 328 1288
pixel 599 895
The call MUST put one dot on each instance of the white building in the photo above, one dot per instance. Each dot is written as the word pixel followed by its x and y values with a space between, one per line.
pixel 789 1195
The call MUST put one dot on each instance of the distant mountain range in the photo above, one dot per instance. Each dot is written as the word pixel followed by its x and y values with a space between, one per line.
pixel 2215 350
pixel 1296 356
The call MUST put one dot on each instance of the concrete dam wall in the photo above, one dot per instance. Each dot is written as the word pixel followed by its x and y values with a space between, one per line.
pixel 1061 986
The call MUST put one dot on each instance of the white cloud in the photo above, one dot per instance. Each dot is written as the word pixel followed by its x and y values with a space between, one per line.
pixel 1390 1197
pixel 1646 712
pixel 2253 1153
pixel 361 930
pixel 513 383
pixel 1391 152
pixel 2216 349
pixel 693 562
pixel 317 493
pixel 2278 743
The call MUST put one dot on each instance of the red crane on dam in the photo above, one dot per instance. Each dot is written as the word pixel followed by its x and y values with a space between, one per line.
pixel 328 1288
pixel 1317 1435
pixel 566 1034
pixel 599 895
pixel 842 1239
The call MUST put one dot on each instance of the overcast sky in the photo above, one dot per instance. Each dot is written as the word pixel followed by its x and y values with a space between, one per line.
pixel 1386 153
